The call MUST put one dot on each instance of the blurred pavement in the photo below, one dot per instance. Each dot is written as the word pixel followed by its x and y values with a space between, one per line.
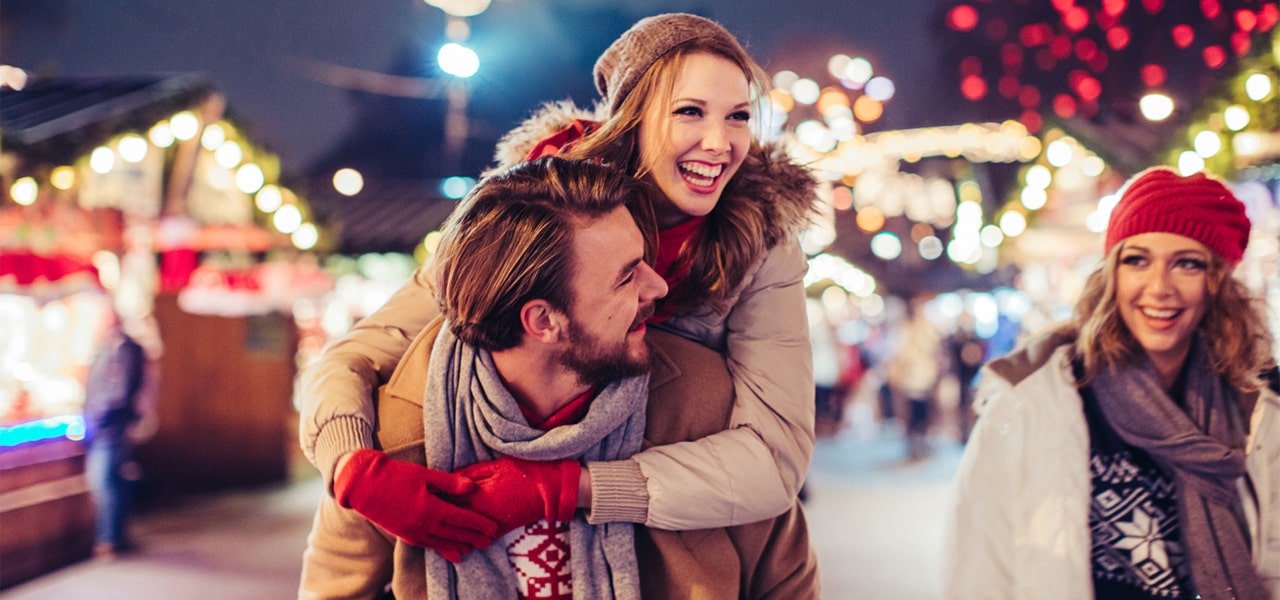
pixel 875 522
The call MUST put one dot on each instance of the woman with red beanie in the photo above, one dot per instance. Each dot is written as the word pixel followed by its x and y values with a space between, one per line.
pixel 1134 452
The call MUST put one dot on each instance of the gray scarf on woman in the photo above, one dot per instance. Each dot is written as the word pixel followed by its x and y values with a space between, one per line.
pixel 1201 446
pixel 469 417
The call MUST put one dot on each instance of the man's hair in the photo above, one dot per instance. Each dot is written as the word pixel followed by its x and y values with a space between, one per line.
pixel 510 241
pixel 1233 327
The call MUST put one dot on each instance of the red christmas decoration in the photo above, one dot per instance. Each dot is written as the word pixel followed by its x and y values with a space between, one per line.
pixel 1183 35
pixel 1089 89
pixel 1099 62
pixel 1011 56
pixel 1086 48
pixel 962 17
pixel 1029 97
pixel 1153 6
pixel 1035 34
pixel 1064 106
pixel 1246 20
pixel 1152 75
pixel 1114 8
pixel 1214 56
pixel 973 87
pixel 1211 8
pixel 1076 18
pixel 1061 47
pixel 1031 119
pixel 1240 43
pixel 1268 16
pixel 1117 38
pixel 1008 86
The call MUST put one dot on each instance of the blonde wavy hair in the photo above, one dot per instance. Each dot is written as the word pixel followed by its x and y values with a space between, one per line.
pixel 724 252
pixel 1234 326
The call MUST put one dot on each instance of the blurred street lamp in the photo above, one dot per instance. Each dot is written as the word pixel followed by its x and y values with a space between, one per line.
pixel 460 8
pixel 1156 107
pixel 461 62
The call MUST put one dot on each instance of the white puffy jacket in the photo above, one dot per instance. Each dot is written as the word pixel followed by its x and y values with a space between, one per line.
pixel 1019 525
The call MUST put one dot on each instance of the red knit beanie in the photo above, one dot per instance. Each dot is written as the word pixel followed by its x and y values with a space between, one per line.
pixel 1198 207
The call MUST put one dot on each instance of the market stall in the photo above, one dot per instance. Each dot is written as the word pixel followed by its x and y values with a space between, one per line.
pixel 138 195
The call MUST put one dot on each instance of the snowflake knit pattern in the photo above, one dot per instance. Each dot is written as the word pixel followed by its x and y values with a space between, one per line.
pixel 539 553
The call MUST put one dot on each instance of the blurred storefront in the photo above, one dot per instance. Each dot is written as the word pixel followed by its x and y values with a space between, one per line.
pixel 138 195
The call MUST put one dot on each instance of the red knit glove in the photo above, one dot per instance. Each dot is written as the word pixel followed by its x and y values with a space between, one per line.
pixel 409 501
pixel 517 492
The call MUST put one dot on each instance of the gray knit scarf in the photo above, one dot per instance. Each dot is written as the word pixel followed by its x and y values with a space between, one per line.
pixel 1201 446
pixel 469 417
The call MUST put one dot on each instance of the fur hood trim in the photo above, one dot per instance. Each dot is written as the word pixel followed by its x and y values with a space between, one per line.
pixel 770 182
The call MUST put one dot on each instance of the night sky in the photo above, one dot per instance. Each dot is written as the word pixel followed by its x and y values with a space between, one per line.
pixel 260 54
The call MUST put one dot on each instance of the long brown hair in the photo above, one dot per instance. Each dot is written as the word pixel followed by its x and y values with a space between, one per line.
pixel 1234 326
pixel 731 239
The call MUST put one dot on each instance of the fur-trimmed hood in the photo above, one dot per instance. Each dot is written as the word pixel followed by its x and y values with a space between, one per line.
pixel 783 191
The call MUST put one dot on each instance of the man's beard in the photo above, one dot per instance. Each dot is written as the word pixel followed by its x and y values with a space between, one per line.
pixel 597 364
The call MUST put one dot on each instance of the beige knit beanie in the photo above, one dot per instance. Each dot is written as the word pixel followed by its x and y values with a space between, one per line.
pixel 630 56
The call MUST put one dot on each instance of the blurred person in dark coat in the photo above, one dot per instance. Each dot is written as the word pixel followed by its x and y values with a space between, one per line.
pixel 112 408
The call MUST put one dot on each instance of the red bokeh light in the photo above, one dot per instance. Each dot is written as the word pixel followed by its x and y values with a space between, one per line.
pixel 1153 6
pixel 1032 120
pixel 1061 47
pixel 1035 34
pixel 1063 5
pixel 1152 75
pixel 1064 106
pixel 1029 97
pixel 1210 8
pixel 1105 21
pixel 1086 48
pixel 1099 62
pixel 1089 89
pixel 962 17
pixel 1246 20
pixel 1214 56
pixel 973 87
pixel 1240 43
pixel 1114 7
pixel 1183 35
pixel 1076 18
pixel 1268 16
pixel 1008 86
pixel 970 65
pixel 1011 56
pixel 1118 38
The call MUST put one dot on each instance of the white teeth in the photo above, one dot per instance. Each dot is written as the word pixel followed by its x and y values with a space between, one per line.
pixel 1160 314
pixel 701 169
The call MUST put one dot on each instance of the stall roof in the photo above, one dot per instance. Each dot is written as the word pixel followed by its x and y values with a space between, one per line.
pixel 388 215
pixel 57 119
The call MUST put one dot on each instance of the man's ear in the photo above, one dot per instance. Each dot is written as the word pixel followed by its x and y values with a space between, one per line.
pixel 543 322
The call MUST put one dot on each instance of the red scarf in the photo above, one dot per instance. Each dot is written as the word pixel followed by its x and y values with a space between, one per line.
pixel 674 260
pixel 566 415
pixel 561 140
